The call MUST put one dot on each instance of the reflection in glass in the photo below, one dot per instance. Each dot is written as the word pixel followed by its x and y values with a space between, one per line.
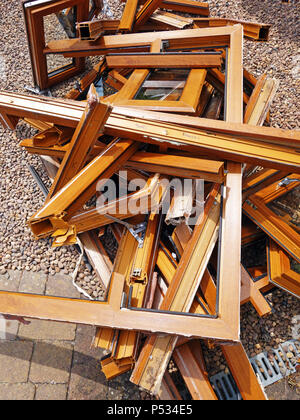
pixel 287 207
pixel 163 85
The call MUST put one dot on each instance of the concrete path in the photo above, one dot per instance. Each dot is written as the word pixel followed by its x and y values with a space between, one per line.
pixel 50 360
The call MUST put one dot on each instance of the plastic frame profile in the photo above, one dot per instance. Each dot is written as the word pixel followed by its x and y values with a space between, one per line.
pixel 256 31
pixel 177 41
pixel 146 11
pixel 237 142
pixel 255 207
pixel 167 164
pixel 148 198
pixel 128 16
pixel 279 270
pixel 84 139
pixel 149 373
pixel 125 346
pixel 193 60
pixel 187 103
pixel 185 6
pixel 217 234
pixel 67 201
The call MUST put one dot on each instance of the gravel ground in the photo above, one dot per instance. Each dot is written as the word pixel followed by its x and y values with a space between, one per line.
pixel 20 197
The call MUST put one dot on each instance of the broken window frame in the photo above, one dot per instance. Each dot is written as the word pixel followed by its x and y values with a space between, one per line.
pixel 112 312
pixel 242 143
pixel 256 31
pixel 177 40
pixel 255 207
pixel 34 13
pixel 187 103
pixel 280 272
pixel 189 97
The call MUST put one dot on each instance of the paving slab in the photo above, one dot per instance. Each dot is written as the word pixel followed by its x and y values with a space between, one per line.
pixel 33 283
pixel 17 392
pixel 130 391
pixel 15 359
pixel 47 392
pixel 83 341
pixel 282 391
pixel 51 363
pixel 10 281
pixel 81 388
pixel 47 330
pixel 61 286
pixel 87 382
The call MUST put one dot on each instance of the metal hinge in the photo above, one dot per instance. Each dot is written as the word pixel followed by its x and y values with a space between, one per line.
pixel 287 181
pixel 137 231
pixel 37 91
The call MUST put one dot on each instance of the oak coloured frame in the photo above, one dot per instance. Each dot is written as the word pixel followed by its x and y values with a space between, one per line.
pixel 114 314
pixel 280 230
pixel 187 102
pixel 111 313
pixel 34 13
pixel 280 270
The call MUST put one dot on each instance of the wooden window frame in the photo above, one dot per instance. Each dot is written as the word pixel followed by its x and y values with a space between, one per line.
pixel 255 207
pixel 112 313
pixel 34 12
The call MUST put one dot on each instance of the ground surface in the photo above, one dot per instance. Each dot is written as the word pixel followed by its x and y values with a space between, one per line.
pixel 50 360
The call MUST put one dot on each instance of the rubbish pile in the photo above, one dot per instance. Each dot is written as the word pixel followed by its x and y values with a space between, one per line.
pixel 163 141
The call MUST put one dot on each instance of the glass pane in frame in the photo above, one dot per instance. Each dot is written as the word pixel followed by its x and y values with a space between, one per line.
pixel 56 26
pixel 163 85
pixel 287 207
pixel 295 266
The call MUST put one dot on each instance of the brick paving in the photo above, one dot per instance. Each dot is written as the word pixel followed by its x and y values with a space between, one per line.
pixel 51 360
